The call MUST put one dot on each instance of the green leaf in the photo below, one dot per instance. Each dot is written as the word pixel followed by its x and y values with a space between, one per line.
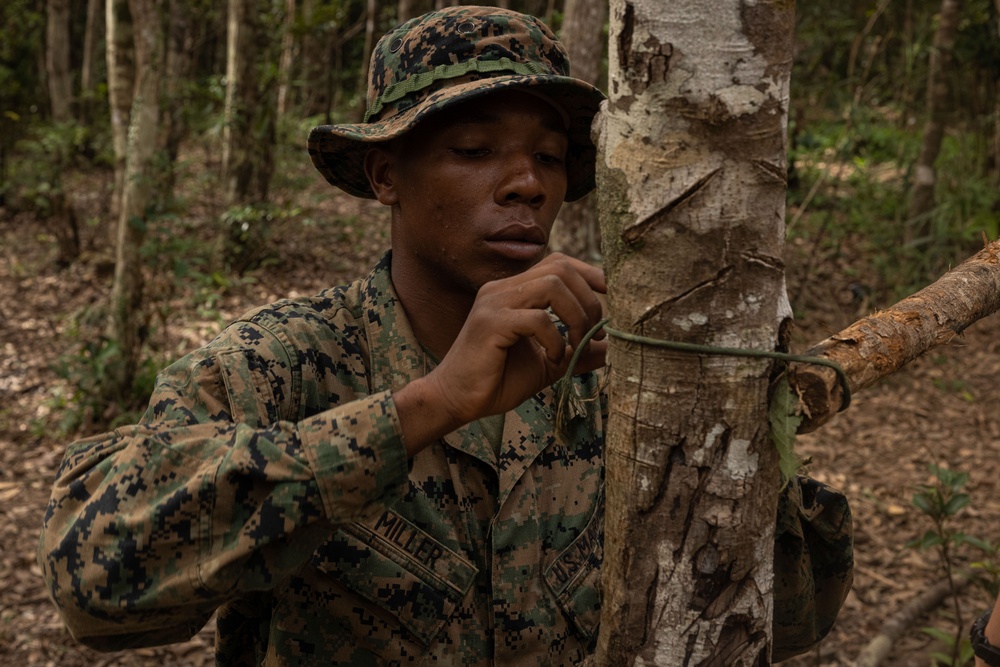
pixel 923 503
pixel 956 503
pixel 785 420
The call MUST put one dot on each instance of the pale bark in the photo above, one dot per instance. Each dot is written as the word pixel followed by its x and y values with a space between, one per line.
pixel 179 60
pixel 692 191
pixel 925 175
pixel 89 47
pixel 404 10
pixel 287 54
pixel 57 59
pixel 370 16
pixel 249 132
pixel 141 182
pixel 880 344
pixel 576 231
pixel 120 53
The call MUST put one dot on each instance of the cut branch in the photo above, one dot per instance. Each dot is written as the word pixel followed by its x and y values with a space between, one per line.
pixel 880 344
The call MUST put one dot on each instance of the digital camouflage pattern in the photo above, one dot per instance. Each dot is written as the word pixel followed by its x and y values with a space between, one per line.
pixel 449 56
pixel 267 479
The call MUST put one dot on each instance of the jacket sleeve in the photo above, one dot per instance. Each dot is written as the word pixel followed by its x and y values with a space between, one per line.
pixel 214 493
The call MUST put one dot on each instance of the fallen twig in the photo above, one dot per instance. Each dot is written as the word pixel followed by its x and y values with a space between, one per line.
pixel 880 645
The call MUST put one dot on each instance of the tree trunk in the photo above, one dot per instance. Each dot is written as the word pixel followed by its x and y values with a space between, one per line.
pixel 286 59
pixel 878 345
pixel 179 60
pixel 925 176
pixel 576 231
pixel 692 193
pixel 249 132
pixel 371 15
pixel 57 59
pixel 121 84
pixel 996 107
pixel 404 11
pixel 89 50
pixel 141 181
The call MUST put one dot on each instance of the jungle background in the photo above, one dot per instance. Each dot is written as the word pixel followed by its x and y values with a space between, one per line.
pixel 154 185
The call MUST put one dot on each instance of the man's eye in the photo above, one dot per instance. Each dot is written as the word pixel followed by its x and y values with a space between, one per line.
pixel 549 158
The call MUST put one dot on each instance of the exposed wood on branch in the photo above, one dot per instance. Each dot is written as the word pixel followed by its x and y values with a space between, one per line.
pixel 880 344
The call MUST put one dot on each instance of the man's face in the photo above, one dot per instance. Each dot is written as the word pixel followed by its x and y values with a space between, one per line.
pixel 475 190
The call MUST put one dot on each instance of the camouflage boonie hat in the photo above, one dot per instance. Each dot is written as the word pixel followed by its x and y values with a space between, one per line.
pixel 452 55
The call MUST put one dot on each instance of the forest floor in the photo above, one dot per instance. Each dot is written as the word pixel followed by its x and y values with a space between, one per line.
pixel 941 409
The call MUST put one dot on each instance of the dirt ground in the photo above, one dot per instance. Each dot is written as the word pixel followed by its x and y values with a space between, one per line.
pixel 942 409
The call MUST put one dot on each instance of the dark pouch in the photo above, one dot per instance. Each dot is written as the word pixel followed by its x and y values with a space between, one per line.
pixel 813 564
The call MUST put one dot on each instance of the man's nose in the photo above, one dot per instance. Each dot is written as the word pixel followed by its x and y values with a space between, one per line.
pixel 522 181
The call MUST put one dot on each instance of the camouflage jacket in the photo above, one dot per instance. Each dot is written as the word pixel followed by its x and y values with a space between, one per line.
pixel 268 481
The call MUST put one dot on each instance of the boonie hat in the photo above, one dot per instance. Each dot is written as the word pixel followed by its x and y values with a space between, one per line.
pixel 449 56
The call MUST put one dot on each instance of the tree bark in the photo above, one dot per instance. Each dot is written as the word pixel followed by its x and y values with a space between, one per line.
pixel 89 50
pixel 249 133
pixel 286 59
pixel 925 176
pixel 370 16
pixel 576 231
pixel 179 60
pixel 120 53
pixel 142 179
pixel 57 44
pixel 880 344
pixel 692 193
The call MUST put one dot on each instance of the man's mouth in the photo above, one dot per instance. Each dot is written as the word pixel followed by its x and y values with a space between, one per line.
pixel 519 242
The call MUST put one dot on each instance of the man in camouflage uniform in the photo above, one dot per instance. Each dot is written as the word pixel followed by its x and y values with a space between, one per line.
pixel 371 475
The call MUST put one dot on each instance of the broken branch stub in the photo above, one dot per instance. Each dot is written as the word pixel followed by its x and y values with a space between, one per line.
pixel 878 345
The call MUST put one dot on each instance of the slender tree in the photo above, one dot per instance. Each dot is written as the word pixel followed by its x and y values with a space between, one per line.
pixel 692 184
pixel 286 60
pixel 371 15
pixel 120 53
pixel 938 93
pixel 576 232
pixel 90 42
pixel 249 133
pixel 57 59
pixel 143 178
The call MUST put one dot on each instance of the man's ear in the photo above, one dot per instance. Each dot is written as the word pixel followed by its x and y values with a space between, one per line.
pixel 380 169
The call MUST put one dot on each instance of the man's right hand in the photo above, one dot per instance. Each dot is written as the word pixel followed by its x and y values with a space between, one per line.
pixel 508 349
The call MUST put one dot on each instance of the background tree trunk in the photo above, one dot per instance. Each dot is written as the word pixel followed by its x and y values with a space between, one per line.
pixel 90 41
pixel 285 61
pixel 925 176
pixel 371 14
pixel 121 85
pixel 142 178
pixel 249 132
pixel 576 231
pixel 404 11
pixel 57 44
pixel 692 195
pixel 179 57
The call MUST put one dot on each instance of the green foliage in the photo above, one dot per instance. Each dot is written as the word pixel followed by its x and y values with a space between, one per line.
pixel 958 648
pixel 941 501
pixel 86 369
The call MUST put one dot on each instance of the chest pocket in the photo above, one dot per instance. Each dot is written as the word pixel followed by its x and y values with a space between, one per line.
pixel 399 569
pixel 575 576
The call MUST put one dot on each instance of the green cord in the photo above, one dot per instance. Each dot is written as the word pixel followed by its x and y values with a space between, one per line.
pixel 710 349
